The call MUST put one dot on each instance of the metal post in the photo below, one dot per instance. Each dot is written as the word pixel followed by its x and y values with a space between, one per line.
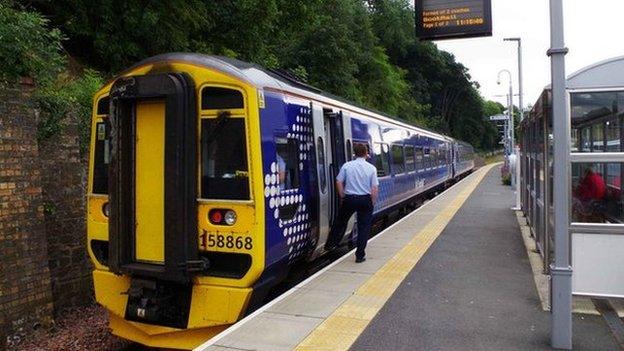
pixel 512 132
pixel 519 41
pixel 560 270
pixel 521 107
pixel 511 123
pixel 518 182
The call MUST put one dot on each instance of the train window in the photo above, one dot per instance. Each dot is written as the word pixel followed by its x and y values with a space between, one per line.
pixel 398 160
pixel 102 158
pixel 103 106
pixel 584 141
pixel 287 163
pixel 216 98
pixel 381 159
pixel 598 137
pixel 320 146
pixel 410 159
pixel 427 158
pixel 224 159
pixel 613 135
pixel 420 158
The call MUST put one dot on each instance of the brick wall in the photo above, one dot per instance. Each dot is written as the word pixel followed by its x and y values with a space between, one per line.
pixel 63 175
pixel 25 294
pixel 44 266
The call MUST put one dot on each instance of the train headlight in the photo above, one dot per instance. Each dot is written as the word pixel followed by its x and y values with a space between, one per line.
pixel 106 209
pixel 230 217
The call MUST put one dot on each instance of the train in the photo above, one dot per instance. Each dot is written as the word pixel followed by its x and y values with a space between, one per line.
pixel 210 177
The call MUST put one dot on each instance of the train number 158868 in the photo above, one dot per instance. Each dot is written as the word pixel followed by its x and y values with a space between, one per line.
pixel 225 241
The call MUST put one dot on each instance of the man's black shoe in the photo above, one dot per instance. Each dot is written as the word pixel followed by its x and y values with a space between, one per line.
pixel 360 260
pixel 330 248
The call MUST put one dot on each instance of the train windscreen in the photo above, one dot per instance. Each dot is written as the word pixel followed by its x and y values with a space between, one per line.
pixel 224 173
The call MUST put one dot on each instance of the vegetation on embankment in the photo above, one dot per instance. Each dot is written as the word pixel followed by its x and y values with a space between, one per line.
pixel 362 50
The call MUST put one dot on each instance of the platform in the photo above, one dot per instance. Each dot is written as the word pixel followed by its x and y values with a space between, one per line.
pixel 452 275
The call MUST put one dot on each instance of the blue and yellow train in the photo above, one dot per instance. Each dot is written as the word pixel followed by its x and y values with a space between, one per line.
pixel 209 177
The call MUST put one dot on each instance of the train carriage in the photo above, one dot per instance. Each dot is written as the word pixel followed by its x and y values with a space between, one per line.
pixel 209 177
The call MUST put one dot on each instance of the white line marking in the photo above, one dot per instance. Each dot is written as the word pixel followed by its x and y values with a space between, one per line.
pixel 273 302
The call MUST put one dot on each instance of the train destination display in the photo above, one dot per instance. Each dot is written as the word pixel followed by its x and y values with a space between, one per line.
pixel 453 19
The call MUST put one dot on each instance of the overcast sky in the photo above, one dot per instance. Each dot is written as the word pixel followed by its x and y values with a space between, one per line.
pixel 593 32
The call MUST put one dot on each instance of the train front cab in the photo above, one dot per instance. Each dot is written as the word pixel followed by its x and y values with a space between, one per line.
pixel 175 233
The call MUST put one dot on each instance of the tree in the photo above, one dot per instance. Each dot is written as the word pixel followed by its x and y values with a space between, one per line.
pixel 364 51
pixel 29 46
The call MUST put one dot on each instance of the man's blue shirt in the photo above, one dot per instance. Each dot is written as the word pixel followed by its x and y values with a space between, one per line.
pixel 358 177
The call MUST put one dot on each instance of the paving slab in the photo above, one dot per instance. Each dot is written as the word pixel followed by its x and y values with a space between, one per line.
pixel 310 302
pixel 270 331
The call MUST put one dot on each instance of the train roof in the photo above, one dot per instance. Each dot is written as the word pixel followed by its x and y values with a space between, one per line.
pixel 272 79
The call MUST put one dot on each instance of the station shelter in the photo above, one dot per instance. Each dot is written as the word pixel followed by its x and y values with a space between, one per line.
pixel 595 96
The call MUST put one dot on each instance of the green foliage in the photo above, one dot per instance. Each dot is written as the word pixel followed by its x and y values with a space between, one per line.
pixel 67 95
pixel 506 179
pixel 29 46
pixel 361 50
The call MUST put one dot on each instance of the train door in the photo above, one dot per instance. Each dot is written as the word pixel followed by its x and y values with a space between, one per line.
pixel 324 183
pixel 331 153
pixel 334 132
pixel 153 217
pixel 452 161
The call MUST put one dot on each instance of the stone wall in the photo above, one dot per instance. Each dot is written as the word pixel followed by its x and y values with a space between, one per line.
pixel 25 288
pixel 44 267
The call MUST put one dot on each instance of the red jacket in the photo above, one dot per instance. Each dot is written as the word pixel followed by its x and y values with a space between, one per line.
pixel 592 187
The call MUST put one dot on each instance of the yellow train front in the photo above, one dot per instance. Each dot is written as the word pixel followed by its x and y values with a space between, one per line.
pixel 210 177
pixel 173 265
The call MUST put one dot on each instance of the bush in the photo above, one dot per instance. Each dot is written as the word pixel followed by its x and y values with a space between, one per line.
pixel 64 96
pixel 29 47
pixel 506 179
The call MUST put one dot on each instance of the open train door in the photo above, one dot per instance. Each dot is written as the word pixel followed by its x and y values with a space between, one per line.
pixel 334 132
pixel 322 176
pixel 331 153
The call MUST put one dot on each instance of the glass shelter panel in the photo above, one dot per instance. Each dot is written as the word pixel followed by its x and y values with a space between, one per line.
pixel 597 193
pixel 594 115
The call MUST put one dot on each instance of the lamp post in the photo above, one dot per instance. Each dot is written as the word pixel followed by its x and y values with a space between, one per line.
pixel 519 41
pixel 521 107
pixel 512 150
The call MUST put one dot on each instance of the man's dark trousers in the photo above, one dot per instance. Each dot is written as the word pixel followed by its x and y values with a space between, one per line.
pixel 363 205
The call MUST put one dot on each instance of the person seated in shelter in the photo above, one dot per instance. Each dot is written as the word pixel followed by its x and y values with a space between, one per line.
pixel 589 196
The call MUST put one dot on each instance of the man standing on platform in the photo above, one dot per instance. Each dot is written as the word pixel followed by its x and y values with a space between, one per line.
pixel 357 187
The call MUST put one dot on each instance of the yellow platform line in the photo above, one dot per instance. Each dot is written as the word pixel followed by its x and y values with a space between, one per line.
pixel 340 330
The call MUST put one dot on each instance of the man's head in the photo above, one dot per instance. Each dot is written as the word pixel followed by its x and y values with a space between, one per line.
pixel 360 150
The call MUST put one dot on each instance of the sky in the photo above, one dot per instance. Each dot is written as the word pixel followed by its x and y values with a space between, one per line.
pixel 593 30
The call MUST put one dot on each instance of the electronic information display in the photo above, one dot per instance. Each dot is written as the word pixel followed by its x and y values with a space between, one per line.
pixel 452 19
